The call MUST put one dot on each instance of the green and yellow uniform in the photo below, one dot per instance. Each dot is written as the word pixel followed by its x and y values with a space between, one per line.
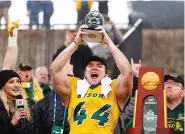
pixel 94 113
pixel 176 119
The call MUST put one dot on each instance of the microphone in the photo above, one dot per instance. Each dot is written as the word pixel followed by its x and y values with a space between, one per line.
pixel 20 104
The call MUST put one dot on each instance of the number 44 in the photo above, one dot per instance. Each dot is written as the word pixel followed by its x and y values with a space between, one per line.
pixel 101 114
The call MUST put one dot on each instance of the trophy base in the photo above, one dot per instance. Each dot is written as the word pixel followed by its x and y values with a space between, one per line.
pixel 134 131
pixel 164 131
pixel 141 131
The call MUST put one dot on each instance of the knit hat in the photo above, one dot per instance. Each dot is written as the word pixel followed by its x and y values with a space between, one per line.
pixel 5 75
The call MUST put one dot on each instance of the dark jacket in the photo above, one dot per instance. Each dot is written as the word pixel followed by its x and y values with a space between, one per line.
pixel 78 59
pixel 43 115
pixel 46 89
pixel 6 127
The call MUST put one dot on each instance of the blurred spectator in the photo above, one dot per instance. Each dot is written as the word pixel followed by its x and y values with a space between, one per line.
pixel 79 57
pixel 103 7
pixel 47 8
pixel 41 75
pixel 82 7
pixel 33 9
pixel 32 91
pixel 4 7
pixel 49 112
pixel 115 35
pixel 174 86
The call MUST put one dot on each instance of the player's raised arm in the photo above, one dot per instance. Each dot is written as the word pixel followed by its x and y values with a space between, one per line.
pixel 124 81
pixel 59 75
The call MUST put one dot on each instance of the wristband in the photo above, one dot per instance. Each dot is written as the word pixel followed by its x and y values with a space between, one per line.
pixel 76 44
pixel 12 41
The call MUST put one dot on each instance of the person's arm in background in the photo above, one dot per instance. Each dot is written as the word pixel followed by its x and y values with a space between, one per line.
pixel 135 70
pixel 12 50
pixel 117 34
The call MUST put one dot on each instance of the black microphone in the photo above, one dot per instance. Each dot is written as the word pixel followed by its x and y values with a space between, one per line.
pixel 19 103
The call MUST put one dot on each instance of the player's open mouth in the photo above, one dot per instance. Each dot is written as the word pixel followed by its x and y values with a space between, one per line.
pixel 94 75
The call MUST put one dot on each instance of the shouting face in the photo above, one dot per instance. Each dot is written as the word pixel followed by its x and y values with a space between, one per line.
pixel 26 75
pixel 95 71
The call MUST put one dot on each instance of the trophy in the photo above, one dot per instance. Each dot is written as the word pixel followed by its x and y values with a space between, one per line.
pixel 93 19
pixel 150 110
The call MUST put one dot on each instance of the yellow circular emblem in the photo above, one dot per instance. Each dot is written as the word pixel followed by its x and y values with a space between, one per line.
pixel 150 80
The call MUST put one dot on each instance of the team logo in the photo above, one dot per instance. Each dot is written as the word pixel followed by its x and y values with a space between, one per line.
pixel 150 80
pixel 19 102
pixel 174 75
pixel 150 116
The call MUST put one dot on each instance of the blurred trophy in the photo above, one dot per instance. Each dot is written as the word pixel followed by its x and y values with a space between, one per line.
pixel 150 110
pixel 93 19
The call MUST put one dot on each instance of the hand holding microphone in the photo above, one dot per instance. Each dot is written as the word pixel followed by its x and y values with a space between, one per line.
pixel 20 114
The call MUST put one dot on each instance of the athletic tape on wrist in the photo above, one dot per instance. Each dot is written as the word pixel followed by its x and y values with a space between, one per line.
pixel 12 41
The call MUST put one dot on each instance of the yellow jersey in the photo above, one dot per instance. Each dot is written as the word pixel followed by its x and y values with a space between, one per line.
pixel 94 113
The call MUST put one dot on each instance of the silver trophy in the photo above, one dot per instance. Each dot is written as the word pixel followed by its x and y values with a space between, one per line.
pixel 93 19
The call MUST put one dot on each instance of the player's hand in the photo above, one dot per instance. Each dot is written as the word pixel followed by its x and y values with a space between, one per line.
pixel 106 39
pixel 79 34
pixel 135 67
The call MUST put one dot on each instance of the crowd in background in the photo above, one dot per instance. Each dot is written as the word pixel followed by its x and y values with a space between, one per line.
pixel 35 7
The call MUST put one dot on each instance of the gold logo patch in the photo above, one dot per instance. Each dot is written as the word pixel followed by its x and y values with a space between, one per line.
pixel 150 80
